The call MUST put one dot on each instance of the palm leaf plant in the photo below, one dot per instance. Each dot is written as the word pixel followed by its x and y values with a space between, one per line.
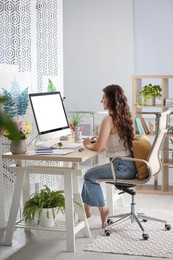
pixel 76 119
pixel 51 87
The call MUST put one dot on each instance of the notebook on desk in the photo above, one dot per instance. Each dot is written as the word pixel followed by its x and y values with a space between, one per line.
pixel 54 151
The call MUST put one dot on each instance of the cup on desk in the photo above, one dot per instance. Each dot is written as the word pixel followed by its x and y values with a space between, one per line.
pixel 78 134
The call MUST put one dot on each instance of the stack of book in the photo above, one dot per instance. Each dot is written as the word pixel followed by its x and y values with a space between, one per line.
pixel 44 150
pixel 168 101
pixel 141 126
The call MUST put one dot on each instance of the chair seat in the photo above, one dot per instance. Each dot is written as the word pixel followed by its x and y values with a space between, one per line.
pixel 134 181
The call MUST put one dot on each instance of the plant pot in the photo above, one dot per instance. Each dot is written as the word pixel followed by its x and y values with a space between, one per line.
pixel 18 148
pixel 151 101
pixel 47 219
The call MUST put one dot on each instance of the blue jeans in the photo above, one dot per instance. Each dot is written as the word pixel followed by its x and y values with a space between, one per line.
pixel 92 192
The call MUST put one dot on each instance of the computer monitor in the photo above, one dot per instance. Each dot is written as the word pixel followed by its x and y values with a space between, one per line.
pixel 49 114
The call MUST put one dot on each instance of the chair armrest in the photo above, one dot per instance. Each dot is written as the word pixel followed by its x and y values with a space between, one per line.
pixel 125 158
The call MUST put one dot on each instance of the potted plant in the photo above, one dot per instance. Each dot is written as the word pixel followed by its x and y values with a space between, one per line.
pixel 24 130
pixel 7 123
pixel 46 200
pixel 148 94
pixel 76 131
pixel 75 119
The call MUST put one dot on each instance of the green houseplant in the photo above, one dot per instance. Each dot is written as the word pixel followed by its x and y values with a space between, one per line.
pixel 149 93
pixel 75 119
pixel 45 199
pixel 6 122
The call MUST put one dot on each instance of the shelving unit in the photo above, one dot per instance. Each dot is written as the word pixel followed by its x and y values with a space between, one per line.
pixel 149 112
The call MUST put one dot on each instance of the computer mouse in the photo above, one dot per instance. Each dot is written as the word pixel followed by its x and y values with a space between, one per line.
pixel 81 150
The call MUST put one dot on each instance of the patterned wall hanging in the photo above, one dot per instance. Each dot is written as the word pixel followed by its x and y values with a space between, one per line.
pixel 30 41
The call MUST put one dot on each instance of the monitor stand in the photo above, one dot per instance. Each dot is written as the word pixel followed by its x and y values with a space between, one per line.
pixel 48 143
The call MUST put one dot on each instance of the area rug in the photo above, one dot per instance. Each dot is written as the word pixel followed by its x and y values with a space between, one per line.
pixel 126 238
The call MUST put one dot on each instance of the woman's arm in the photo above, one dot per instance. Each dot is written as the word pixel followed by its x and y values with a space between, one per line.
pixel 104 132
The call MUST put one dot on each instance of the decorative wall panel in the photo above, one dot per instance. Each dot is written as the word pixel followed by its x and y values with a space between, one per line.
pixel 15 33
pixel 30 39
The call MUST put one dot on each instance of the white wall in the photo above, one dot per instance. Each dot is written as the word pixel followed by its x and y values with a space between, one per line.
pixel 153 21
pixel 153 40
pixel 98 50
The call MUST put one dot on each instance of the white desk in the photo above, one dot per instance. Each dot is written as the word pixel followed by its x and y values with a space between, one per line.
pixel 70 171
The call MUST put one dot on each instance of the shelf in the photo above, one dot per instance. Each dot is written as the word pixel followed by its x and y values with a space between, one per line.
pixel 138 82
pixel 148 113
pixel 60 226
pixel 154 189
pixel 152 76
pixel 168 162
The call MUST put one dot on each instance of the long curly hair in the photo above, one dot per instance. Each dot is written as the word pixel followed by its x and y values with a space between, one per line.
pixel 120 112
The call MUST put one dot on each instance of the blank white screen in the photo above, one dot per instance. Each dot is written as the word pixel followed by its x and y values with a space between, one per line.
pixel 49 112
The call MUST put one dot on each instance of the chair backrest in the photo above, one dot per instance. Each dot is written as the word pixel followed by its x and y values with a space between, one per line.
pixel 161 131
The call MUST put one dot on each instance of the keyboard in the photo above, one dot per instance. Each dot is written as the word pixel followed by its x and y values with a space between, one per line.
pixel 54 144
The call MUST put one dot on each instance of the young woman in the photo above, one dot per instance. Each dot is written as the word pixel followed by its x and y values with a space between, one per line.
pixel 115 137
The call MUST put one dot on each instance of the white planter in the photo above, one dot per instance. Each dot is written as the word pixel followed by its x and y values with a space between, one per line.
pixel 151 101
pixel 20 148
pixel 45 221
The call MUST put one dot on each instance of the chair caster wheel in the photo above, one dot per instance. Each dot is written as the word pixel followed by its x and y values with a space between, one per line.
pixel 107 233
pixel 145 236
pixel 109 221
pixel 167 226
pixel 144 220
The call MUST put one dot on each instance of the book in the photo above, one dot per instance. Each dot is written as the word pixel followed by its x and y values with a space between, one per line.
pixel 139 126
pixel 145 127
pixel 168 101
pixel 44 150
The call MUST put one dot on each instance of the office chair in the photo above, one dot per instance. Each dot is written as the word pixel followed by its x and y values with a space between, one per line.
pixel 151 165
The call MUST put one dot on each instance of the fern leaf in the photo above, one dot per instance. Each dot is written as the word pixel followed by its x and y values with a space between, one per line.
pixel 22 102
pixel 10 107
pixel 15 90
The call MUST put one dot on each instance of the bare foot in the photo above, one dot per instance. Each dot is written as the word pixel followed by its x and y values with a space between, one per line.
pixel 87 210
pixel 104 213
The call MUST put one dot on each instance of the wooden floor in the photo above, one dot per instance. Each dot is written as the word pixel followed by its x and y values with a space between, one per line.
pixel 43 245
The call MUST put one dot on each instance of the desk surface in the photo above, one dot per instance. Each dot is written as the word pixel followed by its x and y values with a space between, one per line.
pixel 75 156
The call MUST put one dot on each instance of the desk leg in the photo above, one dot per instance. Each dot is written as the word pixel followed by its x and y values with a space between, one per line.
pixel 69 215
pixel 14 209
pixel 2 224
pixel 81 215
pixel 80 209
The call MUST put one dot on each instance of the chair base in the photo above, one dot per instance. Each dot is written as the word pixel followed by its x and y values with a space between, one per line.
pixel 133 216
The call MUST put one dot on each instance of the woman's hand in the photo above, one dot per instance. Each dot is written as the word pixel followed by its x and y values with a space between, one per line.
pixel 93 139
pixel 86 142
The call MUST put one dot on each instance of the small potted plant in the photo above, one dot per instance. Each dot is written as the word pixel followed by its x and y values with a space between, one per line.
pixel 75 120
pixel 24 129
pixel 148 94
pixel 50 202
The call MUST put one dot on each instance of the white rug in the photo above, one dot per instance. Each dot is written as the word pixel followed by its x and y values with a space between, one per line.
pixel 126 238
